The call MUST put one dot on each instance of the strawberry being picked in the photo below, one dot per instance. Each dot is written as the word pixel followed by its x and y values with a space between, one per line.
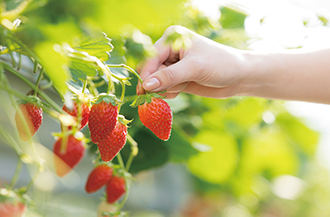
pixel 68 151
pixel 12 204
pixel 28 117
pixel 155 114
pixel 74 112
pixel 99 176
pixel 103 117
pixel 115 141
pixel 115 188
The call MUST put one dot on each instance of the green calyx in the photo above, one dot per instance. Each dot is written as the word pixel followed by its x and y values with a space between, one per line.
pixel 123 120
pixel 32 100
pixel 146 98
pixel 13 196
pixel 107 98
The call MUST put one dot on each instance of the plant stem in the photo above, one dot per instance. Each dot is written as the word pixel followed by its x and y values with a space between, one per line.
pixel 32 181
pixel 134 151
pixel 84 86
pixel 16 174
pixel 30 84
pixel 38 81
pixel 120 160
pixel 127 68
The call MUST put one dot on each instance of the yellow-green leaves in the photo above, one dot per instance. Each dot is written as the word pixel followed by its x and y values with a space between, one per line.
pixel 217 164
pixel 54 65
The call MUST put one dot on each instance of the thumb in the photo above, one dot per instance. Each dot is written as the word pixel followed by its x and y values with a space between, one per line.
pixel 168 77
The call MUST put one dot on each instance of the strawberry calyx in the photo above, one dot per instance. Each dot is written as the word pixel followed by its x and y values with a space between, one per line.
pixel 123 120
pixel 13 196
pixel 32 100
pixel 107 98
pixel 146 98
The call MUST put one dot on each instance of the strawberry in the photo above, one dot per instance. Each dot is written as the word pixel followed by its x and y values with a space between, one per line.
pixel 74 112
pixel 115 189
pixel 99 176
pixel 11 204
pixel 28 117
pixel 156 115
pixel 115 141
pixel 102 117
pixel 68 152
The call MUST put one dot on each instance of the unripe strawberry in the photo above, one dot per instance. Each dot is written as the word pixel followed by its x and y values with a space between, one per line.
pixel 11 204
pixel 115 141
pixel 74 112
pixel 99 176
pixel 115 189
pixel 28 117
pixel 102 117
pixel 157 116
pixel 68 152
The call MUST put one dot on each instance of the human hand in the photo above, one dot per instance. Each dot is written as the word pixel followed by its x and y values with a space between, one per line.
pixel 205 68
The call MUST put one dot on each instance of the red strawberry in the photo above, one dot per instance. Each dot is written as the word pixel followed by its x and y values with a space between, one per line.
pixel 102 117
pixel 115 141
pixel 11 204
pixel 28 117
pixel 99 176
pixel 115 189
pixel 74 112
pixel 68 154
pixel 156 115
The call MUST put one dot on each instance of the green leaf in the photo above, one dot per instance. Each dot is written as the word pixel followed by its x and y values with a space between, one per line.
pixel 232 18
pixel 54 64
pixel 218 164
pixel 299 134
pixel 99 46
pixel 180 149
pixel 152 151
pixel 81 69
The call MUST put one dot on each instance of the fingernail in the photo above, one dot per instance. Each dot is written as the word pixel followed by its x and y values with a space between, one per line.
pixel 151 84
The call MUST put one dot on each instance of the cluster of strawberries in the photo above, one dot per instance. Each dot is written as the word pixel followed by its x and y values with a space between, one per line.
pixel 107 129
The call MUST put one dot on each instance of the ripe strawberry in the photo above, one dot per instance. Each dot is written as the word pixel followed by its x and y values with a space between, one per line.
pixel 115 141
pixel 28 117
pixel 67 154
pixel 156 115
pixel 11 204
pixel 99 176
pixel 102 117
pixel 115 189
pixel 74 112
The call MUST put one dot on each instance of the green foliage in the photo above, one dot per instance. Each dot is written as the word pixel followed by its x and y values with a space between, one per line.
pixel 228 145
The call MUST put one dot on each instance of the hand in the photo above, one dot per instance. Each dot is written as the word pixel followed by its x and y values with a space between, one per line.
pixel 205 68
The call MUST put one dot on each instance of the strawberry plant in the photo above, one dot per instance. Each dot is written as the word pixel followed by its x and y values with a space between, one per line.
pixel 67 90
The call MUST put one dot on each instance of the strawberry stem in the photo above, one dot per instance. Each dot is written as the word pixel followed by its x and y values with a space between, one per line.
pixel 127 68
pixel 134 151
pixel 38 81
pixel 84 86
pixel 120 160
pixel 16 174
pixel 30 84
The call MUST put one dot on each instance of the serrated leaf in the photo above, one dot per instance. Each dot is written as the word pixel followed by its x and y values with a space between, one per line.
pixel 99 46
pixel 80 69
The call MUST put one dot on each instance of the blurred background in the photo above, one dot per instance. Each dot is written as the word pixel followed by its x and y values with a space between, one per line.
pixel 237 157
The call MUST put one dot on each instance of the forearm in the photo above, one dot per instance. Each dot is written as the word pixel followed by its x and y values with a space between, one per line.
pixel 291 75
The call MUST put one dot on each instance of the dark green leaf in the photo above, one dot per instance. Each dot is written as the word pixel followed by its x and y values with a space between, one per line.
pixel 152 151
pixel 180 149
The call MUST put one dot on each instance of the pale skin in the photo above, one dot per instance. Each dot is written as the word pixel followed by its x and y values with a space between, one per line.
pixel 209 69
